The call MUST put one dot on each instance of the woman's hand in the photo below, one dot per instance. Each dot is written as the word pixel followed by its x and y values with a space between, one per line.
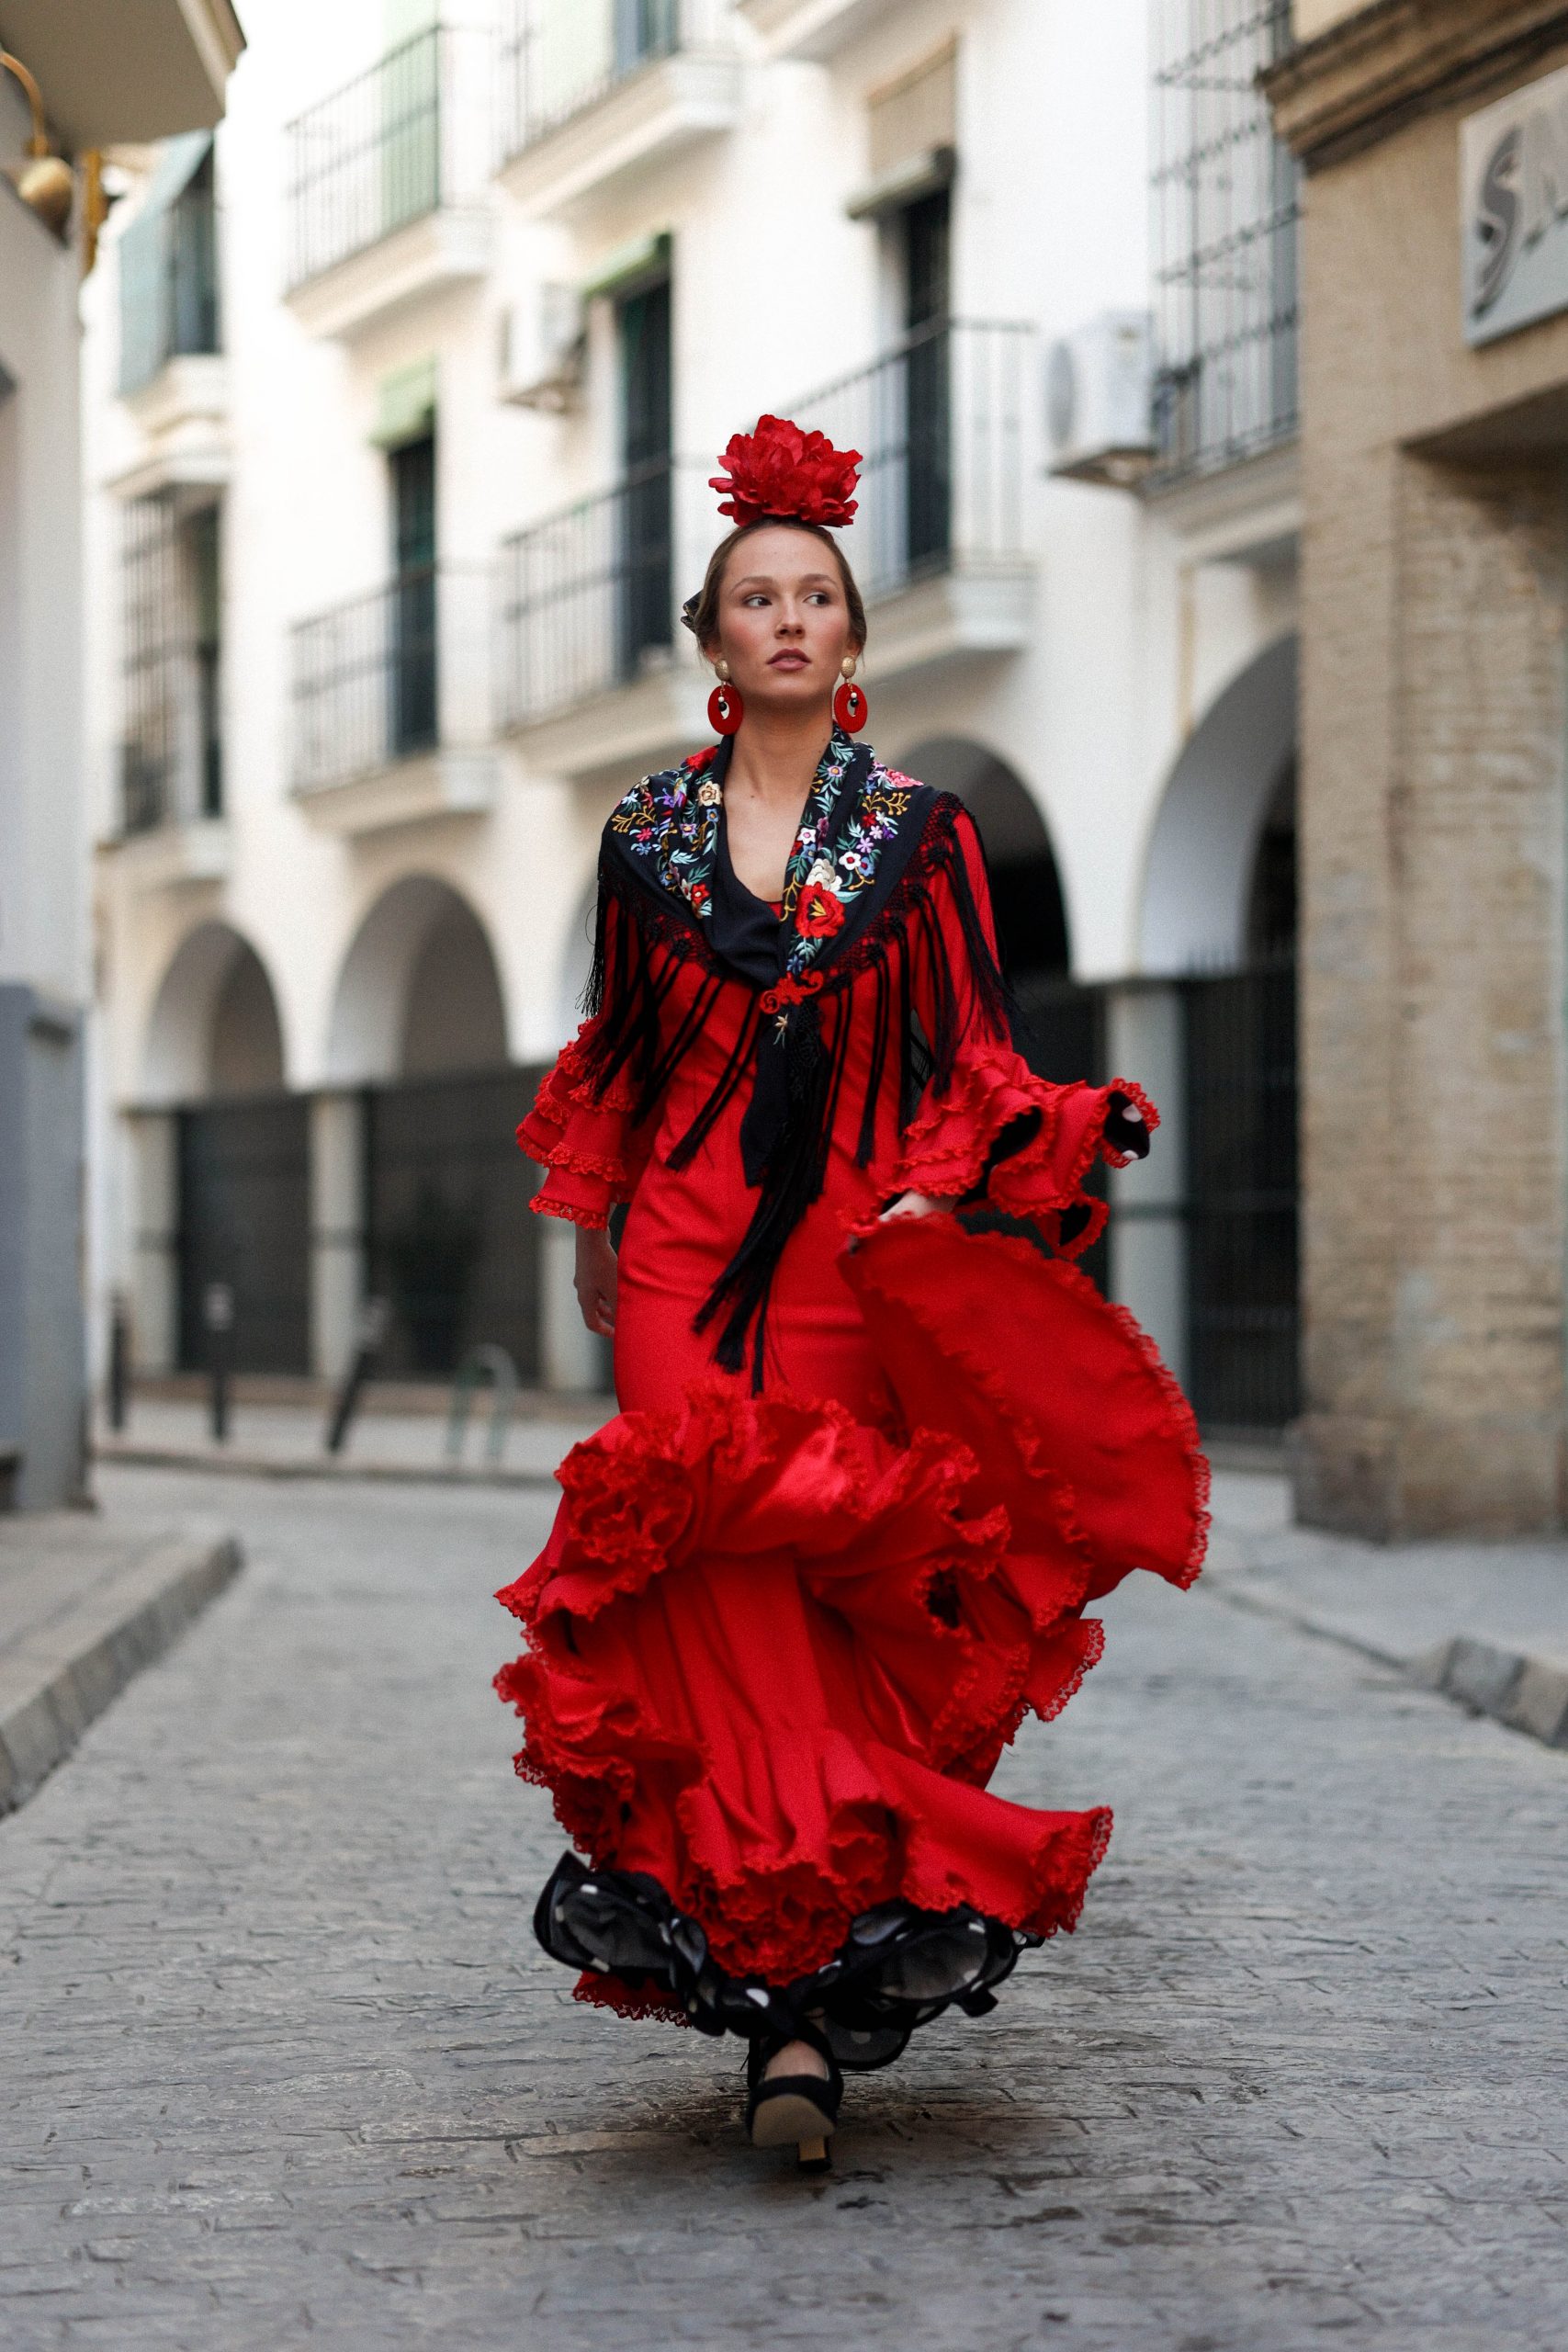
pixel 595 1281
pixel 917 1204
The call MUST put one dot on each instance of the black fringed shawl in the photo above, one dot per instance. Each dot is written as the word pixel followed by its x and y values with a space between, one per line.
pixel 871 849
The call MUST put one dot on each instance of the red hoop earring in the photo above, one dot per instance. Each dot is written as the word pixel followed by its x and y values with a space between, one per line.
pixel 851 708
pixel 726 708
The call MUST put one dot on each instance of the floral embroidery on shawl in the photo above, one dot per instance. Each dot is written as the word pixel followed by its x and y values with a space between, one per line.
pixel 670 822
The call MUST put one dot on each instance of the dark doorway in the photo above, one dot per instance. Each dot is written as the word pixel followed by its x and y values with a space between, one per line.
pixel 1243 1316
pixel 927 239
pixel 200 543
pixel 413 684
pixel 244 1174
pixel 451 1241
pixel 647 413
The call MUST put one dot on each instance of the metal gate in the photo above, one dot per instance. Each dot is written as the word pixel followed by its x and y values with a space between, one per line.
pixel 1244 1314
pixel 244 1219
pixel 450 1241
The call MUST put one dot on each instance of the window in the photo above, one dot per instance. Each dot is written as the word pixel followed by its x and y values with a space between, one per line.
pixel 1226 207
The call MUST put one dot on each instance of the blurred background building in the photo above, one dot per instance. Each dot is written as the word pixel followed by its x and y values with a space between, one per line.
pixel 1435 289
pixel 403 386
pixel 71 82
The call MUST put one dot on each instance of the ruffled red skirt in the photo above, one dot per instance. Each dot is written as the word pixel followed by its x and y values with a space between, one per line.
pixel 773 1654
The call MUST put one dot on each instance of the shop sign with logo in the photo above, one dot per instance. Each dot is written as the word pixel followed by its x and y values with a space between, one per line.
pixel 1514 218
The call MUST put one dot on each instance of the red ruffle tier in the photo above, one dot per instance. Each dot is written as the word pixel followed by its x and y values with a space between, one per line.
pixel 772 1658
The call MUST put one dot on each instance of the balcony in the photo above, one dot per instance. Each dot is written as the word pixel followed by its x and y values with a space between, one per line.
pixel 391 704
pixel 940 545
pixel 589 673
pixel 595 91
pixel 814 28
pixel 386 198
pixel 173 379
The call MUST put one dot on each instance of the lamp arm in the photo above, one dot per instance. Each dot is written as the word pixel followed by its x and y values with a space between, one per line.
pixel 39 143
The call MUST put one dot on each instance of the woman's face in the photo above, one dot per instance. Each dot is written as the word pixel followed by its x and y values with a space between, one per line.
pixel 783 623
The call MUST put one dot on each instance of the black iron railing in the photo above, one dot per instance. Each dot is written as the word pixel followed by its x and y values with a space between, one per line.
pixel 391 674
pixel 170 751
pixel 561 56
pixel 1226 207
pixel 388 147
pixel 168 282
pixel 586 597
pixel 939 421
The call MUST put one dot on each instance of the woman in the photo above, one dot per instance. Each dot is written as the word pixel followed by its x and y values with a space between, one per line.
pixel 872 1464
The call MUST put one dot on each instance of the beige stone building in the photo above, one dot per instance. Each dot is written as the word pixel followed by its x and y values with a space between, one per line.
pixel 1434 138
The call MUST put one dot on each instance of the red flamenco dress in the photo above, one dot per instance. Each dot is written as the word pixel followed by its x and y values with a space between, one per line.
pixel 867 1476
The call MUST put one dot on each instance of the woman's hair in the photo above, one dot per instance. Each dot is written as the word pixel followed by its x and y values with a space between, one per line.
pixel 700 612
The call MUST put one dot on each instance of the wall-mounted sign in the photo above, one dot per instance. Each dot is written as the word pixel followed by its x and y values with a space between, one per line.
pixel 1513 209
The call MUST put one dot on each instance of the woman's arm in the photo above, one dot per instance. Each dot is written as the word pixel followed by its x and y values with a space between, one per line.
pixel 595 1280
pixel 989 1128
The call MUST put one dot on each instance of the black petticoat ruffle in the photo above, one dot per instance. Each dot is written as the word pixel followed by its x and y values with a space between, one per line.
pixel 897 1969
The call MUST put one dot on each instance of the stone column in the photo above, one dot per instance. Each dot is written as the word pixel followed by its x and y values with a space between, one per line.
pixel 1432 982
pixel 337 1229
pixel 1148 1225
pixel 153 1156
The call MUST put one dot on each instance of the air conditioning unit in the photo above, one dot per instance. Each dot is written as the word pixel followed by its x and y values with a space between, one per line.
pixel 1100 399
pixel 544 349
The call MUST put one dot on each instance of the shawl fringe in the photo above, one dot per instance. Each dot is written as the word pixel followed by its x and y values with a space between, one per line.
pixel 642 937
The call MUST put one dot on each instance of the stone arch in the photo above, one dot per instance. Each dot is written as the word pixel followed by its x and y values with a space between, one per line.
pixel 214 1031
pixel 420 990
pixel 1026 887
pixel 1232 784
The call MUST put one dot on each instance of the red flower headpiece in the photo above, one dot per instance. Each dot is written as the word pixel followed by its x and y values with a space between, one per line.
pixel 781 471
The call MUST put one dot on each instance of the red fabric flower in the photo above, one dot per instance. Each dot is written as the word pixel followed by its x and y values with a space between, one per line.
pixel 820 913
pixel 779 469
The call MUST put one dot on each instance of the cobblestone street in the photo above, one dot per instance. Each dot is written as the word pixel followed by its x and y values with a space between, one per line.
pixel 282 2065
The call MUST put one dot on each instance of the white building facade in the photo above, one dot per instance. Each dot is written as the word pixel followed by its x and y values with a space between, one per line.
pixel 403 395
pixel 66 90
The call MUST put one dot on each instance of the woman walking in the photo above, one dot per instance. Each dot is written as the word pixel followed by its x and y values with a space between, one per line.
pixel 873 1462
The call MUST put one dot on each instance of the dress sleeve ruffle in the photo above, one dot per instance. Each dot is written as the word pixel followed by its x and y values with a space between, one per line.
pixel 587 1143
pixel 1022 1145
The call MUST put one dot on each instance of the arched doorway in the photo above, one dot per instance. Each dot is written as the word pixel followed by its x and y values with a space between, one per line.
pixel 1219 916
pixel 1026 889
pixel 418 1033
pixel 223 1166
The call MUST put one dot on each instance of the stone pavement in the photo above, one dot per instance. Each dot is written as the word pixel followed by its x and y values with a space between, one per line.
pixel 286 1440
pixel 283 2066
pixel 1485 1623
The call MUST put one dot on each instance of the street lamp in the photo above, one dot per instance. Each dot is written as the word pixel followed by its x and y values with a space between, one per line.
pixel 44 182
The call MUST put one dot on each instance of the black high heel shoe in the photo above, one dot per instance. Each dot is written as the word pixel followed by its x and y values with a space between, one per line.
pixel 799 2107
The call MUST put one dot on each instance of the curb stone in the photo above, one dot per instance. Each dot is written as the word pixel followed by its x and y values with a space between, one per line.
pixel 53 1685
pixel 1527 1691
pixel 265 1465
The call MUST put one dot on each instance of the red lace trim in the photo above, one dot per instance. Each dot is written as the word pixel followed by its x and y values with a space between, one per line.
pixel 592 1220
pixel 1179 1420
pixel 611 1991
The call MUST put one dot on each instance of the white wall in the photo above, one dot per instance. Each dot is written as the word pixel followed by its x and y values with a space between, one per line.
pixel 1137 629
